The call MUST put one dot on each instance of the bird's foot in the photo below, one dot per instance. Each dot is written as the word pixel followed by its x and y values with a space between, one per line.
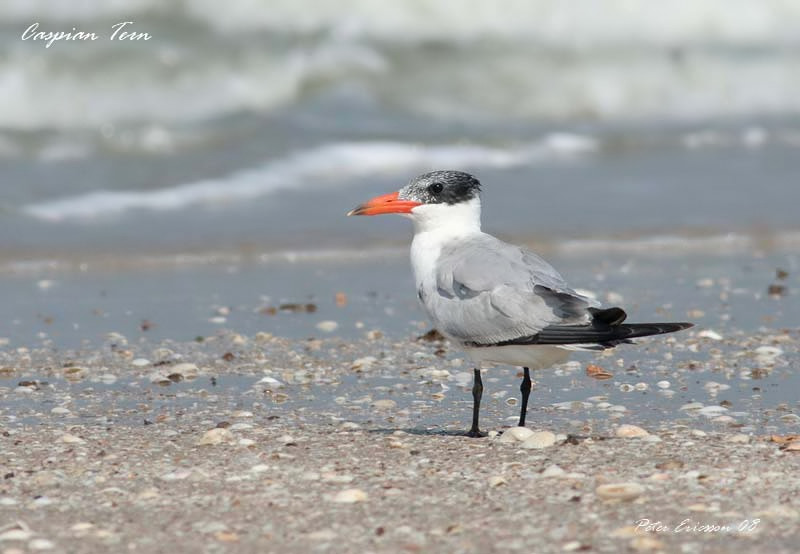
pixel 475 434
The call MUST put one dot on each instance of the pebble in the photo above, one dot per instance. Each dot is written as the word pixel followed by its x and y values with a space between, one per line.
pixel 768 353
pixel 713 386
pixel 619 491
pixel 350 496
pixel 515 434
pixel 271 381
pixel 140 362
pixel 81 527
pixel 60 410
pixel 739 438
pixel 553 470
pixel 186 369
pixel 364 363
pixel 71 439
pixel 322 535
pixel 327 326
pixel 214 437
pixel 74 373
pixel 240 426
pixel 663 384
pixel 646 544
pixel 709 334
pixel 146 494
pixel 16 535
pixel 631 431
pixel 41 544
pixel 331 477
pixel 711 411
pixel 384 404
pixel 539 439
pixel 625 532
pixel 497 480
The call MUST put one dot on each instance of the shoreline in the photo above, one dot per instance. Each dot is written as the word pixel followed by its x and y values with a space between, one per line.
pixel 685 243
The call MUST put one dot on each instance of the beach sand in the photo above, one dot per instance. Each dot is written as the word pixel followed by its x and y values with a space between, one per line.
pixel 266 444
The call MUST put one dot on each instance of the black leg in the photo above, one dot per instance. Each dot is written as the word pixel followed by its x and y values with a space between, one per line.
pixel 525 389
pixel 477 392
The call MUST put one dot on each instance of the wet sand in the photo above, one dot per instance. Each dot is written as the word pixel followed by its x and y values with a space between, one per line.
pixel 267 444
pixel 308 416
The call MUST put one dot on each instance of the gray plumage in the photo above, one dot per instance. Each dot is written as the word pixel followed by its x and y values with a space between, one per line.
pixel 501 303
pixel 488 291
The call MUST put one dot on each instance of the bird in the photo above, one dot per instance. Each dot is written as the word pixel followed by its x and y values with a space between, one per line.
pixel 501 304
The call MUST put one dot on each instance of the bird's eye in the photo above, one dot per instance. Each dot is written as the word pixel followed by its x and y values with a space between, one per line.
pixel 435 188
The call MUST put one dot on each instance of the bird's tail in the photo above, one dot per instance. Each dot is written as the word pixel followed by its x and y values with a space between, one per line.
pixel 606 330
pixel 606 336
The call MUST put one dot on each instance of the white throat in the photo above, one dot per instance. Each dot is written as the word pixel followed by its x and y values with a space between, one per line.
pixel 448 219
pixel 434 226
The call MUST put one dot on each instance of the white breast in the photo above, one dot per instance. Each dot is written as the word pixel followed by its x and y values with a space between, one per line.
pixel 434 226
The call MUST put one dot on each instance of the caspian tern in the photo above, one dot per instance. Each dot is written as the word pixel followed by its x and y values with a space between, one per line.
pixel 502 304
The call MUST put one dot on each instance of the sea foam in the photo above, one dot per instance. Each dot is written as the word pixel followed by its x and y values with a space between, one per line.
pixel 337 164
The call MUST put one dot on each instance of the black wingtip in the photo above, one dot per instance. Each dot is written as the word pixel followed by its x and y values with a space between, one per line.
pixel 609 316
pixel 602 334
pixel 673 326
pixel 636 330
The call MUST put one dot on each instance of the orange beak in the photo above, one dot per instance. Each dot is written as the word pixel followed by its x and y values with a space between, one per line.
pixel 385 204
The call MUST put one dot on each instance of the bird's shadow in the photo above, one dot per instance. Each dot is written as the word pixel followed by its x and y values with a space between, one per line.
pixel 419 432
pixel 571 439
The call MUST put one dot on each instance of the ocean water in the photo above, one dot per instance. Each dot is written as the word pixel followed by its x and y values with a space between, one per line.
pixel 249 132
pixel 258 126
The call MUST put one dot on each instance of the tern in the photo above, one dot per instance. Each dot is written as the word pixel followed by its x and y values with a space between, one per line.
pixel 500 303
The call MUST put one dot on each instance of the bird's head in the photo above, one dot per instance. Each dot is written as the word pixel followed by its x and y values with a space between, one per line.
pixel 431 199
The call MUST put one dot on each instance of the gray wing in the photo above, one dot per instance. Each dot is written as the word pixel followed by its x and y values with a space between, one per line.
pixel 488 291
